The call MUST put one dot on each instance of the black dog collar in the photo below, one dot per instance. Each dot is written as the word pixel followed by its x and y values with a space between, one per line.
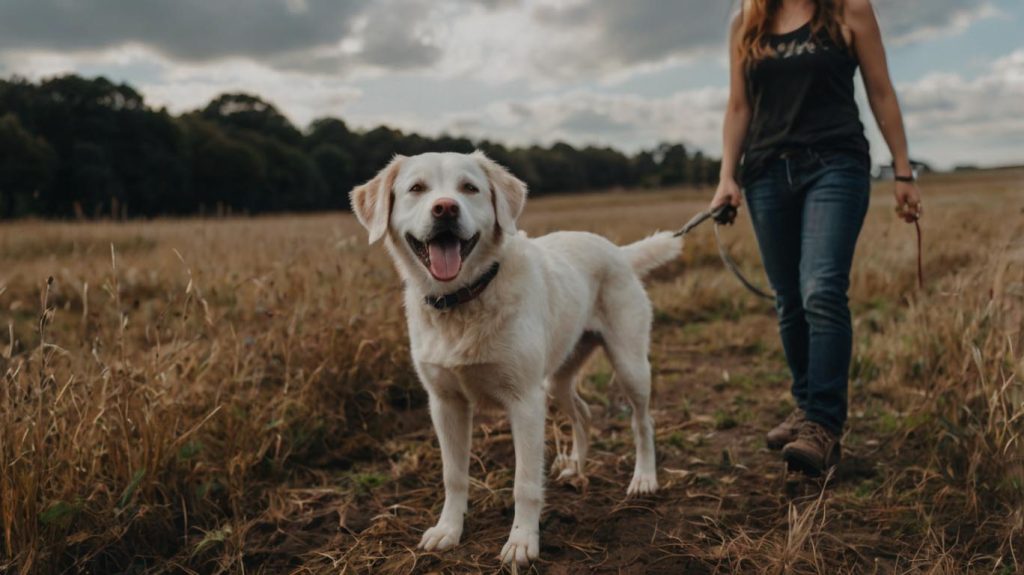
pixel 463 295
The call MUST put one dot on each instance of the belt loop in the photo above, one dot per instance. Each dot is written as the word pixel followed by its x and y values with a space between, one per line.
pixel 789 173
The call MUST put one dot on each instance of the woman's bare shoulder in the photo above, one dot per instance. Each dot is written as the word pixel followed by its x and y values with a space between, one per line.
pixel 736 22
pixel 856 11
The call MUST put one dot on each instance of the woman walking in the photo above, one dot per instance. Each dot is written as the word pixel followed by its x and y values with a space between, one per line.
pixel 806 177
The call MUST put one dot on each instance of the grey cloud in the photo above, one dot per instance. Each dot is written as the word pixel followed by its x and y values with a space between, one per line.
pixel 589 122
pixel 520 110
pixel 284 33
pixel 581 38
pixel 395 36
pixel 496 4
pixel 926 103
pixel 627 33
pixel 901 19
pixel 591 118
pixel 620 33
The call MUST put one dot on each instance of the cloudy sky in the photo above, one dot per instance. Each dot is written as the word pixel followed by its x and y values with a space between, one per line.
pixel 624 73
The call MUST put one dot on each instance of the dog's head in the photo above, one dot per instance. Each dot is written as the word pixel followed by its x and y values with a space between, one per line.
pixel 445 215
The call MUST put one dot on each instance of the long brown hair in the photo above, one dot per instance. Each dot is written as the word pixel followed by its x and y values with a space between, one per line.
pixel 756 18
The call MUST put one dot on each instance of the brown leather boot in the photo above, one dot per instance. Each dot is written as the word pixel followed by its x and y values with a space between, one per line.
pixel 814 450
pixel 786 431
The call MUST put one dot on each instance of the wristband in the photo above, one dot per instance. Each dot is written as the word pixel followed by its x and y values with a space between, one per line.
pixel 909 179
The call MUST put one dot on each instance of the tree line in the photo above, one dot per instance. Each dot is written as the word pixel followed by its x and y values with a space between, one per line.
pixel 88 147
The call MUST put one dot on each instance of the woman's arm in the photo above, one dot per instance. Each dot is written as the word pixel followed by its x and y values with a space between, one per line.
pixel 867 42
pixel 737 122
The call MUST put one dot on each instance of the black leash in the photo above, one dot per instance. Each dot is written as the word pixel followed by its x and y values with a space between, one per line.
pixel 723 215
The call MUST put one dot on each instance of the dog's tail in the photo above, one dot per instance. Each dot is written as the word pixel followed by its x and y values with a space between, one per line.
pixel 653 252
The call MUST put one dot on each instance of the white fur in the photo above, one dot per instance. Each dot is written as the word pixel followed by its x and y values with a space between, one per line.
pixel 555 299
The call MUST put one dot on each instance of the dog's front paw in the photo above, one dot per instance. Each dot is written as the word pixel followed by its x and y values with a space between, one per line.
pixel 522 547
pixel 642 484
pixel 440 537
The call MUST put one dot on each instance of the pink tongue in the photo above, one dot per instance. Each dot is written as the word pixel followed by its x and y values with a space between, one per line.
pixel 445 260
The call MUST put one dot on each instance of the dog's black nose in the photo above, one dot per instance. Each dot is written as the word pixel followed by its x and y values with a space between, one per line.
pixel 445 208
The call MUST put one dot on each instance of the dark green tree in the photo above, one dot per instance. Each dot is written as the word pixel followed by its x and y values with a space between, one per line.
pixel 89 146
pixel 26 168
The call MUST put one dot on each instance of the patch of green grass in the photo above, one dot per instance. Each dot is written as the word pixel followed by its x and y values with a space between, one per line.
pixel 600 380
pixel 677 440
pixel 888 423
pixel 771 377
pixel 368 481
pixel 129 490
pixel 725 420
pixel 613 442
pixel 190 450
pixel 662 317
pixel 623 412
pixel 744 402
pixel 60 513
pixel 212 538
pixel 745 383
pixel 863 369
pixel 208 487
pixel 783 408
pixel 694 328
pixel 866 488
pixel 759 348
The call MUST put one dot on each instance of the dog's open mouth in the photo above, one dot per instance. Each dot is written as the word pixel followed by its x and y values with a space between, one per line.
pixel 443 254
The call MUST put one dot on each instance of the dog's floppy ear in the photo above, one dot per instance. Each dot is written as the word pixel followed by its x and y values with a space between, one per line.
pixel 371 202
pixel 509 193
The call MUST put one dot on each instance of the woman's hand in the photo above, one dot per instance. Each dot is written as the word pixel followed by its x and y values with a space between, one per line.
pixel 728 192
pixel 908 202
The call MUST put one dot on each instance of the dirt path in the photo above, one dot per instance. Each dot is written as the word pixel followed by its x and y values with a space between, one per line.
pixel 721 488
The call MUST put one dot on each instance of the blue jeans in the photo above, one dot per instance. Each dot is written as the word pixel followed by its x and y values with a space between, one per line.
pixel 808 208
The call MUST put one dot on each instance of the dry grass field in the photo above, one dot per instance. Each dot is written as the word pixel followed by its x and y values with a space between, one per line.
pixel 236 396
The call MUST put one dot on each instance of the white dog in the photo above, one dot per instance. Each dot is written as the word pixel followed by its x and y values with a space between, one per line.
pixel 498 318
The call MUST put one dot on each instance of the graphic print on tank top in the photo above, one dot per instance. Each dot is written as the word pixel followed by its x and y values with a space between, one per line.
pixel 802 97
pixel 795 48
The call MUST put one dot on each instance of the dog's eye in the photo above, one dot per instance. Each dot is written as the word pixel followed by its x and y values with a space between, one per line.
pixel 417 188
pixel 470 188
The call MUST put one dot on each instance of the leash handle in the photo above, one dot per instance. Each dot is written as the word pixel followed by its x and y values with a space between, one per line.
pixel 724 214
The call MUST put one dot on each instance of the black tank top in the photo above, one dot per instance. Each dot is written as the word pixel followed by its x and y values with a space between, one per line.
pixel 802 97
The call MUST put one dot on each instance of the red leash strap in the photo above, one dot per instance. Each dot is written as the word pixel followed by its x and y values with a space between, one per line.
pixel 920 263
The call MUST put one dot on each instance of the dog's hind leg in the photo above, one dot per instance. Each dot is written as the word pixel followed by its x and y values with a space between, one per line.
pixel 634 373
pixel 563 390
pixel 627 341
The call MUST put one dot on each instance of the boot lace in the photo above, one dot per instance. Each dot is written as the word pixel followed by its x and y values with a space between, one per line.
pixel 816 434
pixel 795 418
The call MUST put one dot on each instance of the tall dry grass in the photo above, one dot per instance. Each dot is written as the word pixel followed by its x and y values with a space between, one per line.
pixel 151 403
pixel 199 396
